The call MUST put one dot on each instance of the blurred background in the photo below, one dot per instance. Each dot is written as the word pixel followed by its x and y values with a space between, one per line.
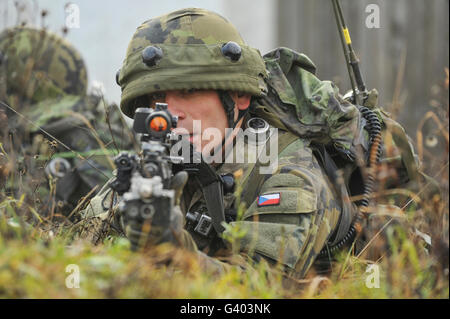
pixel 403 45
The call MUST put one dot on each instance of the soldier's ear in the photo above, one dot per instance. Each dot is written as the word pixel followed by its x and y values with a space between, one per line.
pixel 242 100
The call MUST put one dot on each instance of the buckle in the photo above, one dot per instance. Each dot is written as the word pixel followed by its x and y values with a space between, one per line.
pixel 204 225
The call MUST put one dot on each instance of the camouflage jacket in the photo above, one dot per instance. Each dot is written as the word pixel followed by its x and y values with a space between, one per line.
pixel 291 210
pixel 293 229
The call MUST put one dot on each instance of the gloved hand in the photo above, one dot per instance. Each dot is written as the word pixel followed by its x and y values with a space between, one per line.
pixel 158 227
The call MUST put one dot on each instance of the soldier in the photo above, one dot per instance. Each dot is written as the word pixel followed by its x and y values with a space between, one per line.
pixel 52 122
pixel 195 61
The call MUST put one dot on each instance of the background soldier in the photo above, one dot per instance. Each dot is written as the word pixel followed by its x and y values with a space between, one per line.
pixel 52 122
pixel 196 62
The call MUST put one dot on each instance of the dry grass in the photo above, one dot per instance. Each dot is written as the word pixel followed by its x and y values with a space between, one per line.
pixel 34 251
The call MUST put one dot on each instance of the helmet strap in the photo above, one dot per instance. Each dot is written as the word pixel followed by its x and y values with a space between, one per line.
pixel 228 105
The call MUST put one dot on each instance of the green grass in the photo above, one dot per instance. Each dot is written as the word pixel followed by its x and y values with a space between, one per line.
pixel 33 265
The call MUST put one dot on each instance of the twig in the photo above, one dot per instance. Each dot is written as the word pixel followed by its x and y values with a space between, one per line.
pixel 84 199
pixel 109 122
pixel 390 220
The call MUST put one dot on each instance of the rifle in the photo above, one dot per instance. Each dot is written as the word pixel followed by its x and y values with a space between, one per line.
pixel 143 180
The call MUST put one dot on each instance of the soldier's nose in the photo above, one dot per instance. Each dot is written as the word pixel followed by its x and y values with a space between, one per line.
pixel 176 111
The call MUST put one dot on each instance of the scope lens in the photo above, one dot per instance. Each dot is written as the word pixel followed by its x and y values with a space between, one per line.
pixel 158 124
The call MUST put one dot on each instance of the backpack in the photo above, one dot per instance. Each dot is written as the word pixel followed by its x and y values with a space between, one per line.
pixel 298 102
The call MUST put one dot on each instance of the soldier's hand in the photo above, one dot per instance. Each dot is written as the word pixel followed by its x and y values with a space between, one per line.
pixel 151 232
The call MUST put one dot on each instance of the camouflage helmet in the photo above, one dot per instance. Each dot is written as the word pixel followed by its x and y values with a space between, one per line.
pixel 36 65
pixel 188 49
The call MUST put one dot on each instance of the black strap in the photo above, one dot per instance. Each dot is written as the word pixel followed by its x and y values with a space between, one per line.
pixel 211 184
pixel 209 180
pixel 348 210
pixel 228 105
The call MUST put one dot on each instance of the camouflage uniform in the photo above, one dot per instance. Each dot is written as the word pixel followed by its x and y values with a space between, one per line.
pixel 44 79
pixel 313 207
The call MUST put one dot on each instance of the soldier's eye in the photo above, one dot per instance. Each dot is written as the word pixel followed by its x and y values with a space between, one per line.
pixel 187 92
pixel 159 96
pixel 141 101
pixel 156 98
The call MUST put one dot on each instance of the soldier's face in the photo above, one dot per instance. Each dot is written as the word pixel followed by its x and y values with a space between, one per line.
pixel 204 107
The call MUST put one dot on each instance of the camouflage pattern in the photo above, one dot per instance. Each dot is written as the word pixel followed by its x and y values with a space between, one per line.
pixel 191 42
pixel 307 112
pixel 44 79
pixel 307 106
pixel 314 109
pixel 293 232
pixel 37 64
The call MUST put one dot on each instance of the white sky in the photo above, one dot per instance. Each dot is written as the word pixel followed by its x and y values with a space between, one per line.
pixel 106 27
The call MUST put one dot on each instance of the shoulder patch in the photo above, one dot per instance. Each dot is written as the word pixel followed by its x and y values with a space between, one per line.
pixel 269 199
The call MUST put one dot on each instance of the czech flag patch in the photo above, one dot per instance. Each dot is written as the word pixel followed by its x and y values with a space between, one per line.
pixel 269 199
